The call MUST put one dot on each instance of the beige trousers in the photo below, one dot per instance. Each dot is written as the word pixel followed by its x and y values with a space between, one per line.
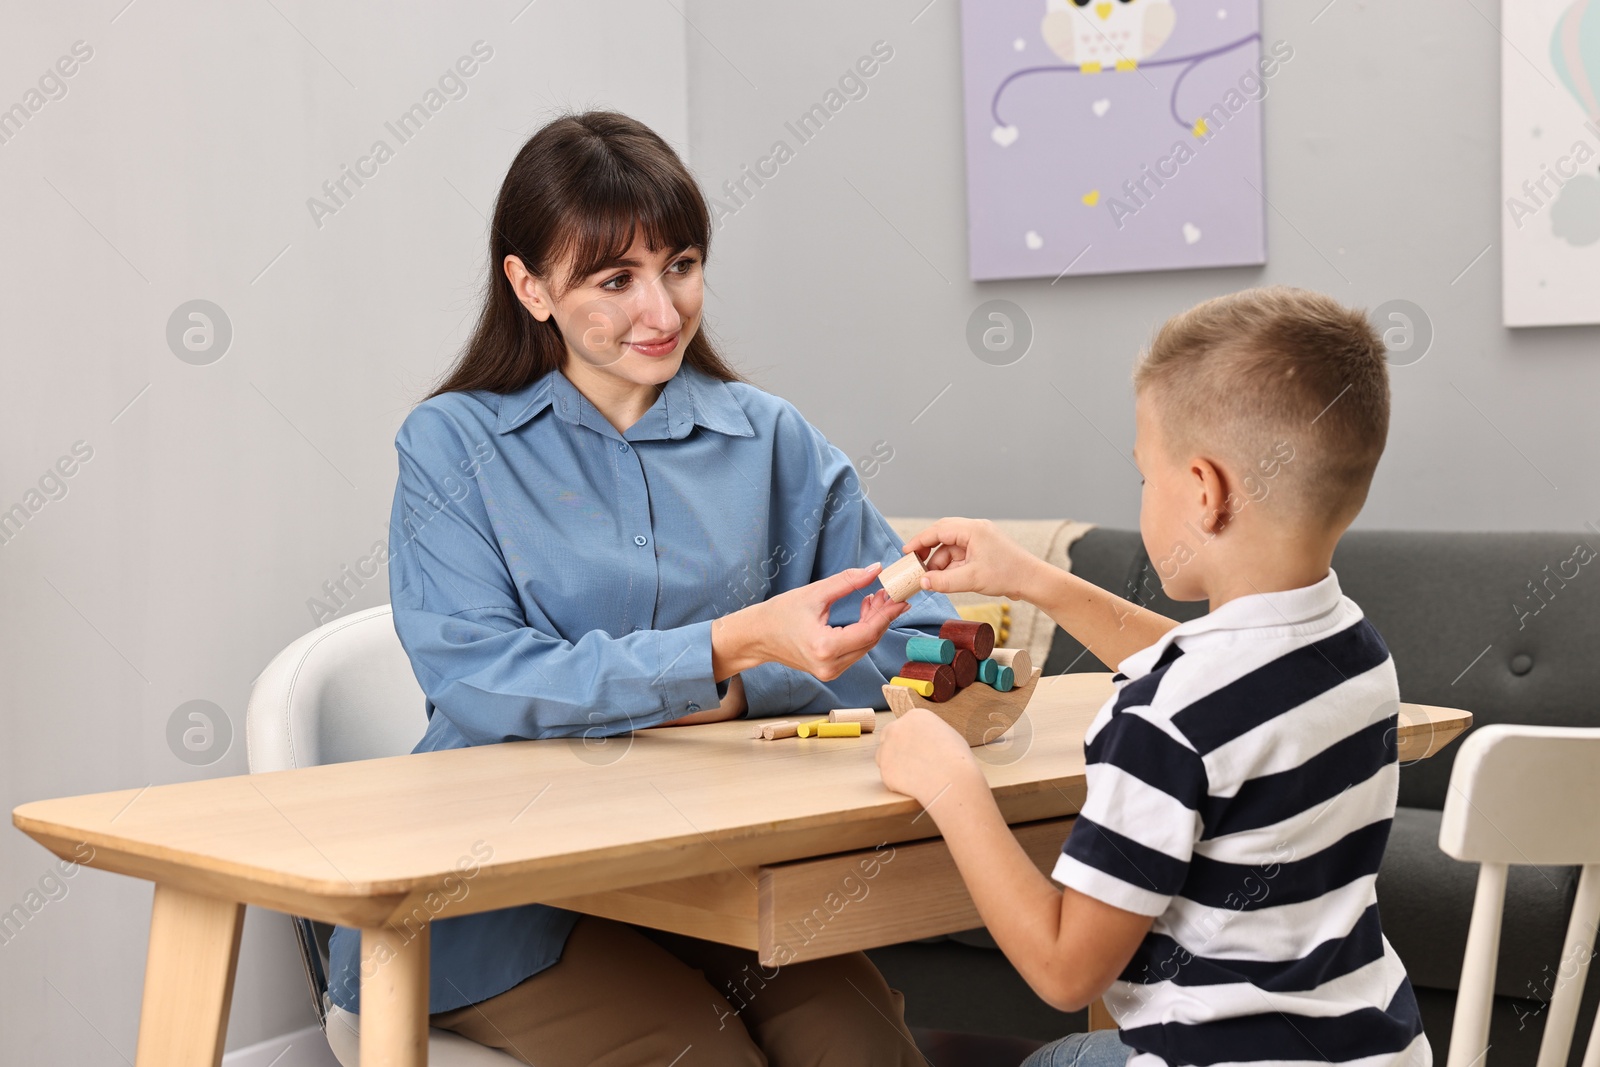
pixel 624 996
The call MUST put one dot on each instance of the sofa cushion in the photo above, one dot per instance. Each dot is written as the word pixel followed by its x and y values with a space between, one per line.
pixel 1425 903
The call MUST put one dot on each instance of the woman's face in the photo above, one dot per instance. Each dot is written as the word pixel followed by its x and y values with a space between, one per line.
pixel 632 320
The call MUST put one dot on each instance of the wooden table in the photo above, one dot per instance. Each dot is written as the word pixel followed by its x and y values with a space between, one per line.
pixel 793 848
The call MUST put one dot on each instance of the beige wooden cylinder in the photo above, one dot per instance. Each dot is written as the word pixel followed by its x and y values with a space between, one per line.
pixel 1017 659
pixel 865 716
pixel 902 579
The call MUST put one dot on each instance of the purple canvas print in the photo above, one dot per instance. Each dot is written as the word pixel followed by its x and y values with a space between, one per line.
pixel 1114 135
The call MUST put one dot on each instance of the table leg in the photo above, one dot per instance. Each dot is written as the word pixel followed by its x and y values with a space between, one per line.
pixel 394 996
pixel 188 979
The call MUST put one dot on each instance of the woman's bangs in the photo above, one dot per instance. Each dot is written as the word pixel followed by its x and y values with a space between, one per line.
pixel 670 215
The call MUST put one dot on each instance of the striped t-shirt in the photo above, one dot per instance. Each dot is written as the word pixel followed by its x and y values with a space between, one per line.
pixel 1241 784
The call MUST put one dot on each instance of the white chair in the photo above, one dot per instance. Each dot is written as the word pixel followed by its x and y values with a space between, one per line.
pixel 1524 795
pixel 345 691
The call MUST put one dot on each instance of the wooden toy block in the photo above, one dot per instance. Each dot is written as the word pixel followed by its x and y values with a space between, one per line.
pixel 1005 679
pixel 921 688
pixel 988 670
pixel 975 637
pixel 809 729
pixel 772 730
pixel 838 729
pixel 942 676
pixel 903 578
pixel 1017 659
pixel 866 718
pixel 978 713
pixel 930 650
pixel 965 666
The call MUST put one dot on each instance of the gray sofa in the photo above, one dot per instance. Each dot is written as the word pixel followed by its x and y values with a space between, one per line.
pixel 1491 622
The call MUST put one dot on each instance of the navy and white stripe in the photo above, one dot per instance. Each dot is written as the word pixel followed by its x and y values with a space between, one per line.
pixel 1241 785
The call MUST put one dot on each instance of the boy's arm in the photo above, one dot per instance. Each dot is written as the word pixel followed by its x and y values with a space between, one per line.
pixel 1102 622
pixel 974 556
pixel 1068 946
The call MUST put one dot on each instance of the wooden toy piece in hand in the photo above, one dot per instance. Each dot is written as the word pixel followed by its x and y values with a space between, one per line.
pixel 902 579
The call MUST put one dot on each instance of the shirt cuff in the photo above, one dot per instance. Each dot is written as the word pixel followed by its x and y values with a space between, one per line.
pixel 1107 889
pixel 684 679
pixel 767 691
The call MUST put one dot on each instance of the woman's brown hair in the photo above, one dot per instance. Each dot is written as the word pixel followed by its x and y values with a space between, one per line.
pixel 584 186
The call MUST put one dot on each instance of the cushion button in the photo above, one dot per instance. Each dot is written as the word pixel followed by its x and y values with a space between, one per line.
pixel 1521 663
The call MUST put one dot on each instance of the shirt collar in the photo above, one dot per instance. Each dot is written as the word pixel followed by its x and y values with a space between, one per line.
pixel 691 398
pixel 1285 611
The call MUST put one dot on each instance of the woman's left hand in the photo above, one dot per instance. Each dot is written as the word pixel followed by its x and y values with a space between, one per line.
pixel 921 755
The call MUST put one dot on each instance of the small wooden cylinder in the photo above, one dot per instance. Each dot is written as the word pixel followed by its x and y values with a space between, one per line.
pixel 941 675
pixel 975 637
pixel 903 578
pixel 916 685
pixel 772 731
pixel 966 667
pixel 1004 680
pixel 866 718
pixel 988 671
pixel 930 649
pixel 837 729
pixel 1017 659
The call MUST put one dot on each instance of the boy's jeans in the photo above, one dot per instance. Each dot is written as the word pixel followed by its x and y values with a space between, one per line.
pixel 1102 1048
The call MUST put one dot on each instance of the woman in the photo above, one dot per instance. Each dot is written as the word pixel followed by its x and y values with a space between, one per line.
pixel 598 528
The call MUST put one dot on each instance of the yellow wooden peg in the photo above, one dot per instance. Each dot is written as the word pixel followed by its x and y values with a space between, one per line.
pixel 921 688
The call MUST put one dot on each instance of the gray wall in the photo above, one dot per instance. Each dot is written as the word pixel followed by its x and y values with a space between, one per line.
pixel 220 497
pixel 1382 166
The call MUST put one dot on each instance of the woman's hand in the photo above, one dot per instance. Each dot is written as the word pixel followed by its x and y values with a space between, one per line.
pixel 975 557
pixel 792 628
pixel 922 756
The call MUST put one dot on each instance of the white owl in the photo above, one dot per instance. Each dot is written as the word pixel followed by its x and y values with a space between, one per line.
pixel 1098 35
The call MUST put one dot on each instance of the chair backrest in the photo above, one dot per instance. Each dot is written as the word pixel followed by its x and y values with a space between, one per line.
pixel 1524 795
pixel 344 691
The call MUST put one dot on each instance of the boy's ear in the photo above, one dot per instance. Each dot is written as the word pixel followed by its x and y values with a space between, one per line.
pixel 1211 493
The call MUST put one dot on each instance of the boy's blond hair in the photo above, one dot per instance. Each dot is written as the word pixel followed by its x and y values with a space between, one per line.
pixel 1234 376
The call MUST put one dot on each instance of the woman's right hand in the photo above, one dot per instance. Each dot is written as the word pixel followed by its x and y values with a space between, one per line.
pixel 792 628
pixel 975 557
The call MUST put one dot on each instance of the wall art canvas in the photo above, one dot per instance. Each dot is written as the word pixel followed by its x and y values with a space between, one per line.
pixel 1114 135
pixel 1550 161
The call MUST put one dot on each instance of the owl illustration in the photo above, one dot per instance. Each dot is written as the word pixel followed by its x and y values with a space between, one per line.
pixel 1100 35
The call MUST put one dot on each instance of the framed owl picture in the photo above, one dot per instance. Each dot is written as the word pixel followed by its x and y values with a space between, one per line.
pixel 1105 136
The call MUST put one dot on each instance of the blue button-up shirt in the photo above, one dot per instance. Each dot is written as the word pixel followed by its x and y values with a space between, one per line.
pixel 552 577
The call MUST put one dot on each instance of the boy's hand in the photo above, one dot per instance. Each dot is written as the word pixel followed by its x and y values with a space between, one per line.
pixel 920 755
pixel 975 558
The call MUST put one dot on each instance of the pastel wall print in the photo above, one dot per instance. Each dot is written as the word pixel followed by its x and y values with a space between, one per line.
pixel 1550 162
pixel 1114 135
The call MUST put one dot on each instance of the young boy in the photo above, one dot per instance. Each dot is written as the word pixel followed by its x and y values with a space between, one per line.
pixel 1241 780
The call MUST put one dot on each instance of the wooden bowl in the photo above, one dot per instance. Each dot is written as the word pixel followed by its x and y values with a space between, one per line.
pixel 979 713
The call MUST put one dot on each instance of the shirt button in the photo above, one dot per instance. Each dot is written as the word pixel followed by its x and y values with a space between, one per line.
pixel 692 708
pixel 641 540
pixel 622 447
